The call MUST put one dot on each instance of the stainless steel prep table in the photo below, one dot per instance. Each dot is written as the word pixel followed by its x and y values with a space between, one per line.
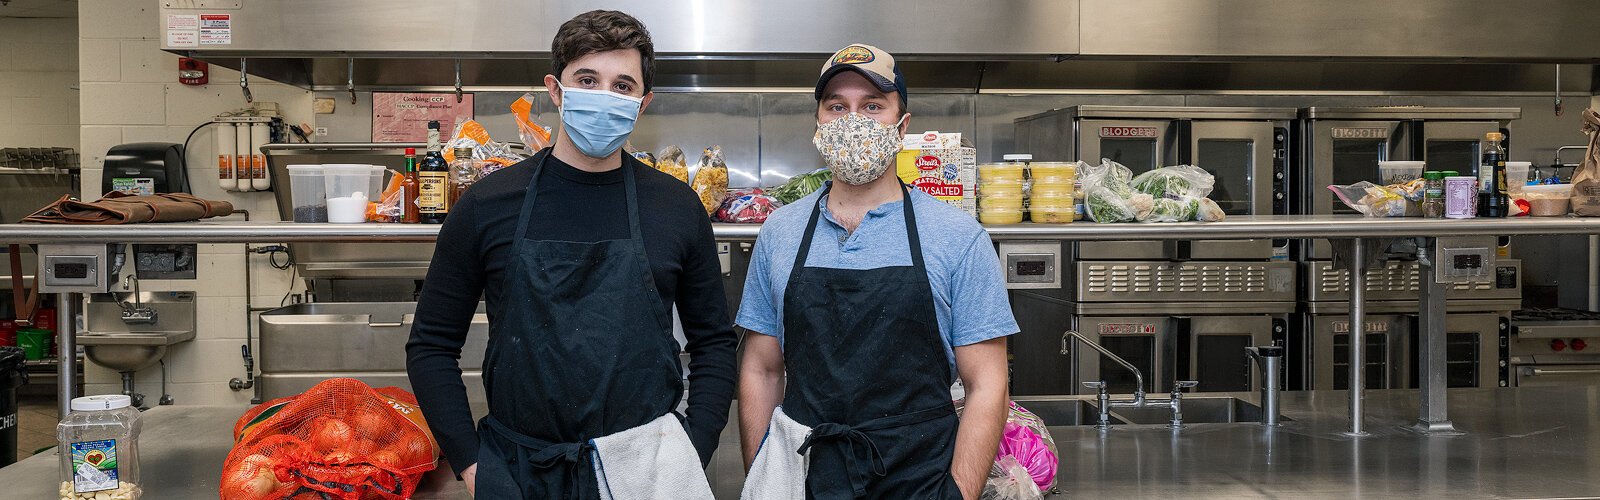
pixel 1525 442
pixel 1432 414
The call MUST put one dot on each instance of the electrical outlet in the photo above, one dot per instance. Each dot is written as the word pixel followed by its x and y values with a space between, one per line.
pixel 322 131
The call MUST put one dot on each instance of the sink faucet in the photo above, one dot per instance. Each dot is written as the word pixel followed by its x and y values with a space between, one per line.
pixel 1174 403
pixel 136 313
pixel 1268 360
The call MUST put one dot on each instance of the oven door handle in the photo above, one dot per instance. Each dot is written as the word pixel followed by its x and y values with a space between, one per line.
pixel 1563 371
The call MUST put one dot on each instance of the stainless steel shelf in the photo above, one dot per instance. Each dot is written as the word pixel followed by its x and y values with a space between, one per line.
pixel 1244 227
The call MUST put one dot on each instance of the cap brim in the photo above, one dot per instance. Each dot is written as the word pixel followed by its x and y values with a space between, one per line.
pixel 877 80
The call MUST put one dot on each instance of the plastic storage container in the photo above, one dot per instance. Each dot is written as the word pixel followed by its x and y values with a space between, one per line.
pixel 1396 172
pixel 1000 215
pixel 1548 200
pixel 1043 170
pixel 347 187
pixel 1051 212
pixel 1517 175
pixel 308 190
pixel 1000 173
pixel 35 342
pixel 99 453
pixel 1006 190
pixel 375 184
pixel 1011 202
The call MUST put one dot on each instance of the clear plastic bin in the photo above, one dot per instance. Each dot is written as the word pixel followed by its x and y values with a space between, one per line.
pixel 309 191
pixel 347 187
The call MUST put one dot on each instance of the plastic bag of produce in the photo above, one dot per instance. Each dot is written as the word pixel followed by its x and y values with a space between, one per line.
pixel 1026 463
pixel 801 185
pixel 493 155
pixel 341 439
pixel 711 179
pixel 746 206
pixel 1175 182
pixel 1209 211
pixel 1372 200
pixel 1179 209
pixel 1103 204
pixel 671 161
pixel 534 135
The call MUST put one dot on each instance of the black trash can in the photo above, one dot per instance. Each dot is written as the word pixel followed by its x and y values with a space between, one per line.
pixel 12 375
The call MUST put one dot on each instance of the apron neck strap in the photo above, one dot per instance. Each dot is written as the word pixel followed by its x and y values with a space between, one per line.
pixel 915 242
pixel 630 191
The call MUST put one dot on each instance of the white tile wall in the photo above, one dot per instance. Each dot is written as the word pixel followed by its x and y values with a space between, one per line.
pixel 38 76
pixel 130 94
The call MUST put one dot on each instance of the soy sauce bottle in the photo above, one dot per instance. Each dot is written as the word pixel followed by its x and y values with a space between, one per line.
pixel 1492 199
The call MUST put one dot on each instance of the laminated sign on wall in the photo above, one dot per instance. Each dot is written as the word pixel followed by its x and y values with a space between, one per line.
pixel 404 116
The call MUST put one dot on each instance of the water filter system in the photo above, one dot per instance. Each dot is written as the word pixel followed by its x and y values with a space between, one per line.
pixel 258 164
pixel 227 148
pixel 241 166
pixel 242 158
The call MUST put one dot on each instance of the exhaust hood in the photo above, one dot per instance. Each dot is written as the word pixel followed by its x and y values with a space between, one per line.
pixel 944 45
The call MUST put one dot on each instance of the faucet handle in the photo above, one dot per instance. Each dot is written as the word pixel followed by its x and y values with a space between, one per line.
pixel 1180 385
pixel 1098 384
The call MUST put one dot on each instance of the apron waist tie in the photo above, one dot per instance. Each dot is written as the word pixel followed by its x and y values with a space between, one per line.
pixel 856 435
pixel 534 453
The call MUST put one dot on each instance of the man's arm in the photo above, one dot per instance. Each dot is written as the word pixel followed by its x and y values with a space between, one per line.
pixel 983 374
pixel 710 340
pixel 433 353
pixel 760 390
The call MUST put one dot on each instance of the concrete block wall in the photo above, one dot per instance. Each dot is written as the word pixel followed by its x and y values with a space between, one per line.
pixel 130 93
pixel 38 83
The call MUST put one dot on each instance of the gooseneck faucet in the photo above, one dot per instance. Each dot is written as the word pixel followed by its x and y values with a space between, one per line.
pixel 1174 403
pixel 1269 359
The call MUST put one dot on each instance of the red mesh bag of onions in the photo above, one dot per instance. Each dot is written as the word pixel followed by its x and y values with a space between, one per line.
pixel 339 440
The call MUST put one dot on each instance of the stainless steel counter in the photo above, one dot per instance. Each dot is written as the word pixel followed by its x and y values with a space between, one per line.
pixel 1239 227
pixel 1526 442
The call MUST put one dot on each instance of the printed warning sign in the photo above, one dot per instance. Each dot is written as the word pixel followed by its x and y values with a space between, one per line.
pixel 404 116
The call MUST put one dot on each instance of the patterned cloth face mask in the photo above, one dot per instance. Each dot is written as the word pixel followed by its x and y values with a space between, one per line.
pixel 858 149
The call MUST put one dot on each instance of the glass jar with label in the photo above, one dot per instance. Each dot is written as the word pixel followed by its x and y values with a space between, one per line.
pixel 100 449
pixel 1433 194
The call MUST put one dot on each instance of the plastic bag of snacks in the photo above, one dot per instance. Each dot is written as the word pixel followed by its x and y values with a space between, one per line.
pixel 649 160
pixel 1025 465
pixel 746 206
pixel 711 179
pixel 670 160
pixel 494 155
pixel 387 209
pixel 534 135
pixel 340 439
pixel 1372 200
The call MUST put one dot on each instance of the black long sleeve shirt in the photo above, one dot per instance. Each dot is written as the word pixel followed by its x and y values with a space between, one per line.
pixel 475 248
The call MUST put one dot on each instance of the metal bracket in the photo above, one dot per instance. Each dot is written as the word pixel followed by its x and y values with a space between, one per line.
pixel 458 81
pixel 244 80
pixel 350 78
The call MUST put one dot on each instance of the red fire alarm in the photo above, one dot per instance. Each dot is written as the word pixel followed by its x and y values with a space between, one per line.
pixel 192 72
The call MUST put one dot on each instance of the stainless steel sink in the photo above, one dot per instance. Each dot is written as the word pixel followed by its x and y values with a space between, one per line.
pixel 113 342
pixel 1196 410
pixel 129 352
pixel 1063 412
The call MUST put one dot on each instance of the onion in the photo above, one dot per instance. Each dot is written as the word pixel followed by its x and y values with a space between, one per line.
pixel 328 433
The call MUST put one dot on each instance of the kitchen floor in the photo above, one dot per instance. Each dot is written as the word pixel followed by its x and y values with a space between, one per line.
pixel 36 424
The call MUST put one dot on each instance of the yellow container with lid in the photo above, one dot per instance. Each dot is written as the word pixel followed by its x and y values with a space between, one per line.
pixel 1051 212
pixel 1052 169
pixel 1000 202
pixel 1050 191
pixel 1000 173
pixel 1000 215
pixel 1008 189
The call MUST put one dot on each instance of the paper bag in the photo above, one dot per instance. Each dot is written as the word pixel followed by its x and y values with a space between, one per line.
pixel 1586 180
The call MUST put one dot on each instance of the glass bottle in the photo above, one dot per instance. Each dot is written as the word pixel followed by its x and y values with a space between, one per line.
pixel 1433 194
pixel 408 190
pixel 1492 199
pixel 433 181
pixel 464 171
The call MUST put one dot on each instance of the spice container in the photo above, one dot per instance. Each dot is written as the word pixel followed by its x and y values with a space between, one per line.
pixel 1460 196
pixel 309 191
pixel 100 449
pixel 1433 195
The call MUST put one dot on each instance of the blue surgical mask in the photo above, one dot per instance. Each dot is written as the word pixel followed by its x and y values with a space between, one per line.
pixel 598 121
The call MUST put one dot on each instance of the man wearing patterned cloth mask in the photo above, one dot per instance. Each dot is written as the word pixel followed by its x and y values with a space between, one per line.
pixel 867 299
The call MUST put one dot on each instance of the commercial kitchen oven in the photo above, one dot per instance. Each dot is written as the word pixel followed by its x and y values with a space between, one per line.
pixel 1337 146
pixel 1554 347
pixel 1246 149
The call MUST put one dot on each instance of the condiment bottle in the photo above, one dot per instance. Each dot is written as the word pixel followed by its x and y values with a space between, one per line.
pixel 1433 194
pixel 1492 199
pixel 408 190
pixel 99 452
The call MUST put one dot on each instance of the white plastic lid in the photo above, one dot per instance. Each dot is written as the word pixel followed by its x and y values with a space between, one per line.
pixel 1017 157
pixel 1522 164
pixel 101 403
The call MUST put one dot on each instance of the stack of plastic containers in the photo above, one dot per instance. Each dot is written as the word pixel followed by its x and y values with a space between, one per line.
pixel 1000 193
pixel 1051 196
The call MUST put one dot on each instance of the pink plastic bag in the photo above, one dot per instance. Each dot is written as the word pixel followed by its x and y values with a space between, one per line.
pixel 1026 445
pixel 1031 452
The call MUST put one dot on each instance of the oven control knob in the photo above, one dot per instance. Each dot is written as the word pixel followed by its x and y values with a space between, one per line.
pixel 1579 344
pixel 1558 345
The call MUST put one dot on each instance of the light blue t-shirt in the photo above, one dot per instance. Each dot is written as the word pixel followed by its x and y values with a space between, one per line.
pixel 969 293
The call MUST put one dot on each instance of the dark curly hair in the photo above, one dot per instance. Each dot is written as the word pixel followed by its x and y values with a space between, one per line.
pixel 601 31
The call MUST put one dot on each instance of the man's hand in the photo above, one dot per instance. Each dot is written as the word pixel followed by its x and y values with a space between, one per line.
pixel 983 374
pixel 470 476
pixel 760 390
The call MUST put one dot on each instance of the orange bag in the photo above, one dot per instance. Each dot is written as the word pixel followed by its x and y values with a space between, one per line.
pixel 341 439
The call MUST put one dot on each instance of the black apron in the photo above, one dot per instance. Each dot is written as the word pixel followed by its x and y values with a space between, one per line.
pixel 867 372
pixel 584 349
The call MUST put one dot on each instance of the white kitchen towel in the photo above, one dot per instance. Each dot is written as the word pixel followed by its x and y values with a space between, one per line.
pixel 779 471
pixel 649 462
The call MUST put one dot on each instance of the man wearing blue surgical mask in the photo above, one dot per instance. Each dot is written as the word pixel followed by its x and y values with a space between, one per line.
pixel 580 253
